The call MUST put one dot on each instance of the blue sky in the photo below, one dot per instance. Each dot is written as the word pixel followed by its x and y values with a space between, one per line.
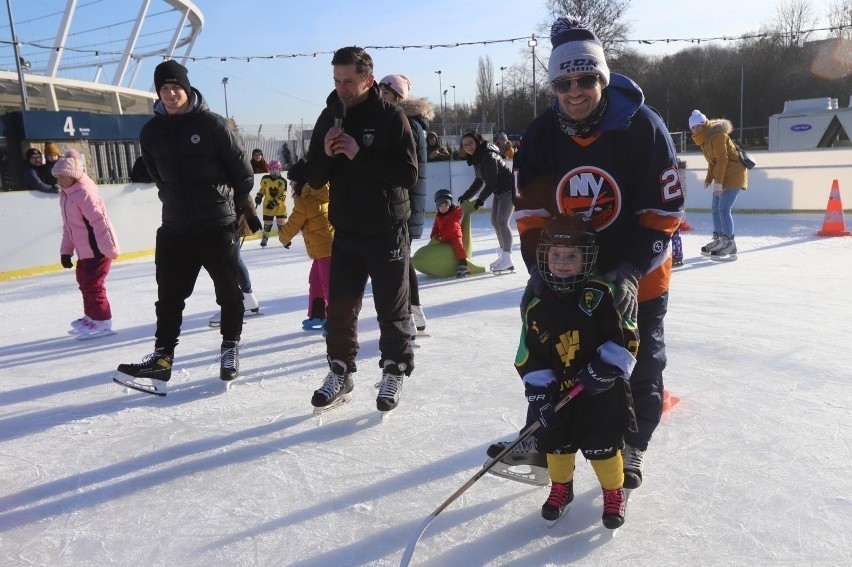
pixel 291 90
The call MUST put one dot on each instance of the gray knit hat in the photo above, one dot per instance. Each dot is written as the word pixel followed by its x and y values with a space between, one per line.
pixel 576 48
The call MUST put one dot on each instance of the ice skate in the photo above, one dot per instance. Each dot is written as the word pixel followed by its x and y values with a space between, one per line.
pixel 524 463
pixel 633 464
pixel 229 361
pixel 714 244
pixel 92 329
pixel 78 325
pixel 263 241
pixel 250 304
pixel 149 376
pixel 561 495
pixel 335 389
pixel 313 324
pixel 504 264
pixel 615 508
pixel 462 270
pixel 419 318
pixel 727 252
pixel 390 386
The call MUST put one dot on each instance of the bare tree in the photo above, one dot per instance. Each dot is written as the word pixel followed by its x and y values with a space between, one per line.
pixel 840 18
pixel 793 22
pixel 605 17
pixel 485 87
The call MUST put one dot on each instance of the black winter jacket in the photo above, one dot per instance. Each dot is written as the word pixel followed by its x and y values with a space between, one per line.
pixel 368 195
pixel 491 172
pixel 419 112
pixel 199 165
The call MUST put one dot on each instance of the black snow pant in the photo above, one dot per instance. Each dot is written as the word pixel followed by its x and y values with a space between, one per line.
pixel 385 260
pixel 178 261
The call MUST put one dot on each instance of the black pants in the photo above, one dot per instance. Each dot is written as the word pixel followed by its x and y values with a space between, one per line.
pixel 178 260
pixel 385 260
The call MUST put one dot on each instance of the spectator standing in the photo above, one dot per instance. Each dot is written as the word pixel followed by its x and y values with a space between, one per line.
pixel 34 171
pixel 493 177
pixel 434 150
pixel 726 177
pixel 507 150
pixel 419 111
pixel 203 176
pixel 52 154
pixel 258 162
pixel 362 146
pixel 86 230
pixel 600 150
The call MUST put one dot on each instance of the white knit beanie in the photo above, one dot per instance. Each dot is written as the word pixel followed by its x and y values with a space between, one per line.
pixel 576 48
pixel 697 119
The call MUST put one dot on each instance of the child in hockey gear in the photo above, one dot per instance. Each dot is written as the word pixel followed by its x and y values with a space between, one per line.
pixel 447 228
pixel 573 334
pixel 86 229
pixel 493 177
pixel 273 194
pixel 677 244
pixel 310 216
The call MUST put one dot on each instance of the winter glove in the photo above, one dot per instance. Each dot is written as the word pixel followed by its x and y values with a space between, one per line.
pixel 254 223
pixel 287 246
pixel 271 204
pixel 467 196
pixel 541 400
pixel 717 188
pixel 65 260
pixel 479 203
pixel 626 280
pixel 259 199
pixel 613 362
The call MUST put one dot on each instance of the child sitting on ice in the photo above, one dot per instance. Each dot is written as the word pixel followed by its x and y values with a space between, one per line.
pixel 448 229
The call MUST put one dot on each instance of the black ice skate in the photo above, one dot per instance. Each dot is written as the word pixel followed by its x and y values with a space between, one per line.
pixel 561 495
pixel 524 463
pixel 390 386
pixel 229 361
pixel 149 376
pixel 335 389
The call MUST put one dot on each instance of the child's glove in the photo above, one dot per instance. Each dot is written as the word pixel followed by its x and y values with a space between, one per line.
pixel 598 377
pixel 65 260
pixel 271 204
pixel 541 400
pixel 259 199
pixel 626 280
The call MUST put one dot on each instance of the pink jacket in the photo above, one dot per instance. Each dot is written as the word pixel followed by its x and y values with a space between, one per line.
pixel 85 225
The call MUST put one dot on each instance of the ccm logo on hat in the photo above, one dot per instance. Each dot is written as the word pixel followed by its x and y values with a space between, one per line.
pixel 578 63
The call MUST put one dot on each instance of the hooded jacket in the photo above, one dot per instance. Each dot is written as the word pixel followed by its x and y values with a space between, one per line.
pixel 368 195
pixel 723 160
pixel 85 225
pixel 419 112
pixel 199 165
pixel 310 215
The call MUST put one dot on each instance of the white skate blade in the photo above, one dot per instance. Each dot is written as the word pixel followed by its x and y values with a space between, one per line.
pixel 144 385
pixel 216 323
pixel 342 400
pixel 727 258
pixel 504 271
pixel 95 335
pixel 527 474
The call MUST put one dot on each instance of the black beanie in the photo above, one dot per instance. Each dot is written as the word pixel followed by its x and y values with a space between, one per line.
pixel 298 172
pixel 171 72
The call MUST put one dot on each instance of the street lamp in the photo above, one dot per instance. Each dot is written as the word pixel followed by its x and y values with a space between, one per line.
pixel 441 101
pixel 20 60
pixel 455 118
pixel 498 107
pixel 532 43
pixel 225 88
pixel 503 96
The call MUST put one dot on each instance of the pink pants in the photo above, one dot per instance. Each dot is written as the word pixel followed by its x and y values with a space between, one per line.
pixel 91 274
pixel 318 282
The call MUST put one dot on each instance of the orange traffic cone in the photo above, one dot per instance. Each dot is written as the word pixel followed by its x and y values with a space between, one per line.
pixel 669 401
pixel 834 223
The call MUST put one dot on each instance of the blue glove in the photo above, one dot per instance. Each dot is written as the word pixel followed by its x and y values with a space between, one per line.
pixel 626 299
pixel 541 400
pixel 65 260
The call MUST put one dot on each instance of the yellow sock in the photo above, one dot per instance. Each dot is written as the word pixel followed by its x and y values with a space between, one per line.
pixel 560 467
pixel 610 471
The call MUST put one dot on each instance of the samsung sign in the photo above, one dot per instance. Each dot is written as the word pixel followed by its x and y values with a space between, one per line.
pixel 800 127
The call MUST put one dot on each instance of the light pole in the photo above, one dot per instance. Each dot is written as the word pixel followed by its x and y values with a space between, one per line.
pixel 498 106
pixel 445 99
pixel 532 43
pixel 225 88
pixel 24 100
pixel 441 100
pixel 503 96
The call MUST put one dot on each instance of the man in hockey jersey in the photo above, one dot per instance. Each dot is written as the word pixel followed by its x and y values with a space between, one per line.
pixel 203 178
pixel 362 146
pixel 600 150
pixel 573 334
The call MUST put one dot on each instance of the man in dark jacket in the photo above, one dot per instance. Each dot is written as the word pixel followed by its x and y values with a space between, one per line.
pixel 203 177
pixel 362 146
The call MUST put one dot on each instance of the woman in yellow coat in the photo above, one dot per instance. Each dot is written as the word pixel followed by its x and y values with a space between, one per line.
pixel 726 176
pixel 310 215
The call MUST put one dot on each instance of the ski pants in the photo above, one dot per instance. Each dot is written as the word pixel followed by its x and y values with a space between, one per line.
pixel 91 274
pixel 318 286
pixel 384 260
pixel 178 260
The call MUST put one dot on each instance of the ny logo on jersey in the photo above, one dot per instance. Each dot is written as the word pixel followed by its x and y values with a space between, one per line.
pixel 591 191
pixel 569 344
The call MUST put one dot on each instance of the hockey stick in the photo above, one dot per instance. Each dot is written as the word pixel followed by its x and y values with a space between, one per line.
pixel 409 550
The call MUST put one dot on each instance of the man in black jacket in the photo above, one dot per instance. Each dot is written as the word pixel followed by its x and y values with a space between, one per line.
pixel 362 146
pixel 203 177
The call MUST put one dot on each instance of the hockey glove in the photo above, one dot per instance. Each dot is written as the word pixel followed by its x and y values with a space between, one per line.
pixel 271 204
pixel 254 223
pixel 65 260
pixel 259 199
pixel 626 280
pixel 612 362
pixel 541 400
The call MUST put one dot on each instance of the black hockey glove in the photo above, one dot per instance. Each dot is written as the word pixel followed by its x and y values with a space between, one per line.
pixel 287 246
pixel 598 377
pixel 541 400
pixel 254 223
pixel 271 204
pixel 65 260
pixel 626 280
pixel 259 199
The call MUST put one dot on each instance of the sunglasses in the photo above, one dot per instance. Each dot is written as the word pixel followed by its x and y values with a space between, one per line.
pixel 584 82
